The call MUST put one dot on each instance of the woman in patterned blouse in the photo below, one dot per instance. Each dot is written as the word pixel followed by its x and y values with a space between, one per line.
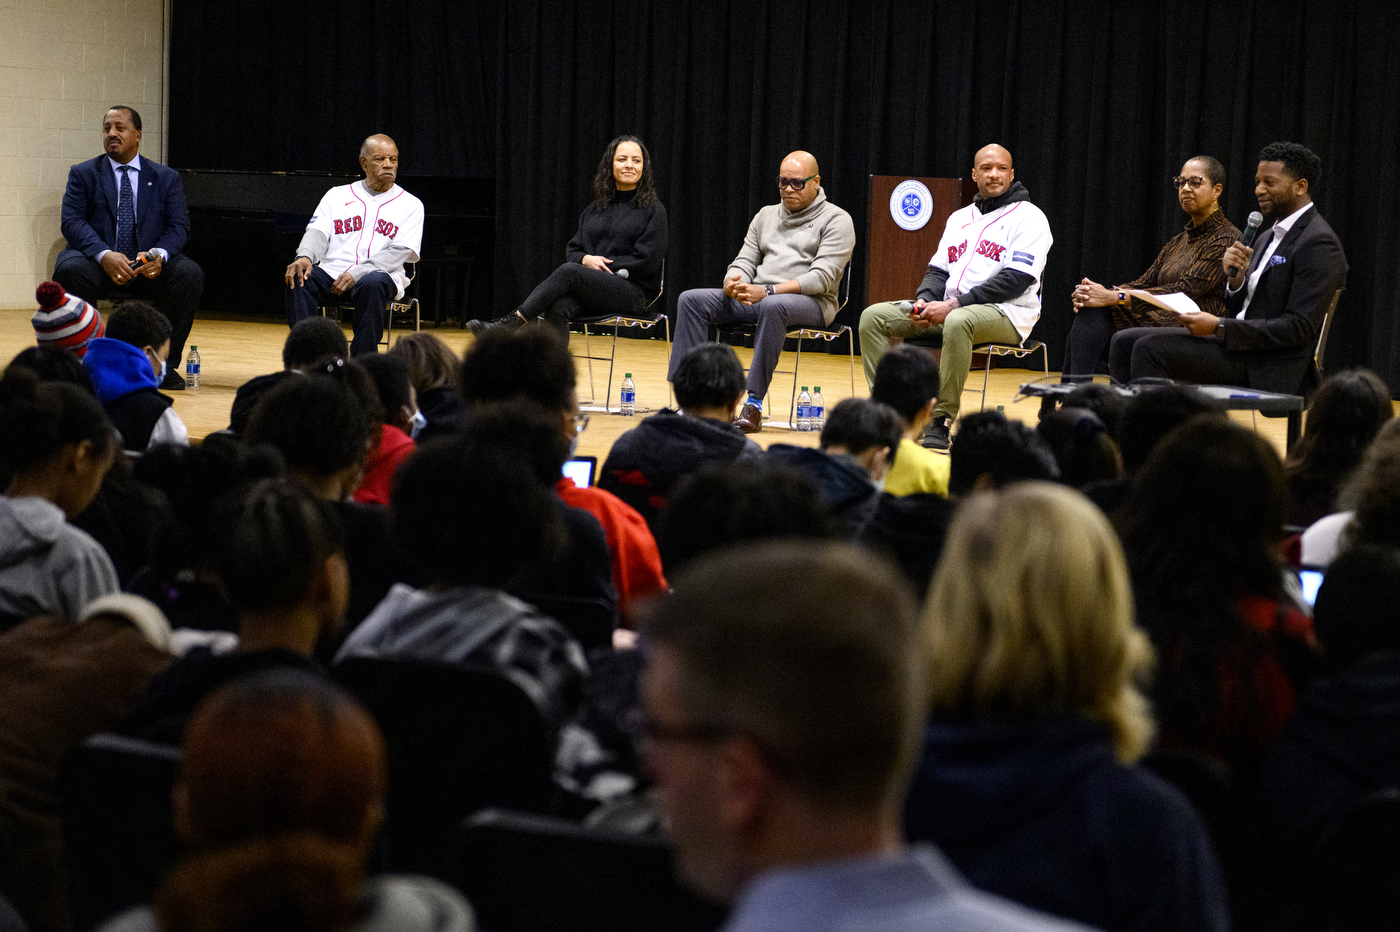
pixel 1189 263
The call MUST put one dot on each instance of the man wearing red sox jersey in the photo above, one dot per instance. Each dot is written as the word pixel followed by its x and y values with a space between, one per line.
pixel 983 285
pixel 357 244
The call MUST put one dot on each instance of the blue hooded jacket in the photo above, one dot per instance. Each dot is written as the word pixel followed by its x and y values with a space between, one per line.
pixel 118 369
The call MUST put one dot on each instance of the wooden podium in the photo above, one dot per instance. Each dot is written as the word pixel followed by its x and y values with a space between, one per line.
pixel 898 257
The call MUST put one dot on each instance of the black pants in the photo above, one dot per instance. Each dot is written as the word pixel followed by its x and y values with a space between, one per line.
pixel 1088 338
pixel 370 295
pixel 1171 353
pixel 575 290
pixel 175 292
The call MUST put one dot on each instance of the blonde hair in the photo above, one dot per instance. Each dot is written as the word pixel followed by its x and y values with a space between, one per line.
pixel 1030 613
pixel 430 361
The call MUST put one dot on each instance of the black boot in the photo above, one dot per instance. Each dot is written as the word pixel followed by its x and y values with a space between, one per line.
pixel 510 322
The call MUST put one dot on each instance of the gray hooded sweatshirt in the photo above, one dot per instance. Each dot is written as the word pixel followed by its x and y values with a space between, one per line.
pixel 48 566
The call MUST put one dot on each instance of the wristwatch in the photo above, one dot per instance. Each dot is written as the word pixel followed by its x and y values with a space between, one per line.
pixel 1122 298
pixel 1220 329
pixel 770 290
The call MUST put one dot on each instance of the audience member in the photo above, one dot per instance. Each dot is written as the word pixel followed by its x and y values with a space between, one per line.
pixel 180 578
pixel 400 425
pixel 128 366
pixel 909 529
pixel 279 553
pixel 1343 418
pixel 312 343
pixel 126 516
pixel 1374 496
pixel 279 799
pixel 1201 529
pixel 58 446
pixel 432 368
pixel 780 724
pixel 1147 418
pixel 1083 449
pixel 534 363
pixel 529 436
pixel 64 320
pixel 473 520
pixel 1342 742
pixel 906 379
pixel 1037 723
pixel 1104 400
pixel 727 503
pixel 646 462
pixel 63 680
pixel 324 427
pixel 858 445
pixel 993 452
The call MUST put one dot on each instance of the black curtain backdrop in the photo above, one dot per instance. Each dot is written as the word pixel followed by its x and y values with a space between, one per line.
pixel 1099 102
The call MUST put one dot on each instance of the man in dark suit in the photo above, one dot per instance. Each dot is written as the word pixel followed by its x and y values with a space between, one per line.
pixel 1276 297
pixel 126 221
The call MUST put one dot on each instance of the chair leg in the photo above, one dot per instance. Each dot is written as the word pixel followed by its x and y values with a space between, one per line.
pixel 588 354
pixel 670 398
pixel 851 333
pixel 796 367
pixel 612 361
pixel 986 375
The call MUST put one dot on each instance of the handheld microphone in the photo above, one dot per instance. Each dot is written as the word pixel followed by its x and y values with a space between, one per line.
pixel 1251 230
pixel 621 273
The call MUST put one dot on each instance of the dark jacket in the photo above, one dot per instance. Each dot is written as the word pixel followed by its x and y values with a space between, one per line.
pixel 845 487
pixel 1043 813
pixel 127 388
pixel 1342 743
pixel 1279 332
pixel 89 219
pixel 910 529
pixel 646 462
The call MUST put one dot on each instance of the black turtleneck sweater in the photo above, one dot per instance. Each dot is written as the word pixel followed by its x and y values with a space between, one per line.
pixel 633 237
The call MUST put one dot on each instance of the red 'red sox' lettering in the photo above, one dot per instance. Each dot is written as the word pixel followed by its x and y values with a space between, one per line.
pixel 385 228
pixel 990 250
pixel 349 225
pixel 955 252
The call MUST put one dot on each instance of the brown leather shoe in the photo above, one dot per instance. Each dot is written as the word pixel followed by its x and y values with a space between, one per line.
pixel 750 419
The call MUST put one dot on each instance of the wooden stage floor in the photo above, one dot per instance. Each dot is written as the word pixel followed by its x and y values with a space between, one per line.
pixel 233 350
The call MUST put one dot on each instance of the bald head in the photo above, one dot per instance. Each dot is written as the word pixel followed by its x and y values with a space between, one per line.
pixel 379 159
pixel 797 166
pixel 992 170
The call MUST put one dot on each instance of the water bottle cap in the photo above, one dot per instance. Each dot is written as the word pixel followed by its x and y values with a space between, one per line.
pixel 193 347
pixel 818 388
pixel 628 376
pixel 804 388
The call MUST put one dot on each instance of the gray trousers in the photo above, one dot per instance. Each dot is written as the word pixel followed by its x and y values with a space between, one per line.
pixel 774 316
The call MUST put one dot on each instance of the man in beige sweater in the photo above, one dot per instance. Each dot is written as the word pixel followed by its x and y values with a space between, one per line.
pixel 786 275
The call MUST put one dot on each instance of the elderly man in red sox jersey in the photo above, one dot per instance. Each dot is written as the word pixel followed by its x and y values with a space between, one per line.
pixel 357 243
pixel 982 285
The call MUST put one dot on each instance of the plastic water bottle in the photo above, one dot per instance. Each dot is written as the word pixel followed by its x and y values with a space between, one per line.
pixel 816 414
pixel 192 369
pixel 629 396
pixel 804 410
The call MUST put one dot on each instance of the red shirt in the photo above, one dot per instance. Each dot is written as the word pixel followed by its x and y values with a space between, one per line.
pixel 636 561
pixel 394 445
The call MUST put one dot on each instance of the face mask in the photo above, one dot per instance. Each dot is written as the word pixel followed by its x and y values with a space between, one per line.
pixel 417 424
pixel 879 485
pixel 162 370
pixel 573 446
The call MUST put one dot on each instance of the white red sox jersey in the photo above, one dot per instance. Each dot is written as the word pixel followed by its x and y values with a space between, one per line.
pixel 359 225
pixel 975 247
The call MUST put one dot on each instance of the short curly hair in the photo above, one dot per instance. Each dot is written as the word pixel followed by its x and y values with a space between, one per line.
pixel 1301 163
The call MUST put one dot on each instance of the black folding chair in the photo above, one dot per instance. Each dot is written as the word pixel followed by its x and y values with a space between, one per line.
pixel 118 826
pixel 457 739
pixel 527 873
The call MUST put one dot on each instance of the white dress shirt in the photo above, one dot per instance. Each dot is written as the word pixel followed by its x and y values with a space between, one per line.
pixel 1279 230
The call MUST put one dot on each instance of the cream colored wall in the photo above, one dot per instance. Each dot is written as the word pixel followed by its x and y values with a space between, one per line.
pixel 62 64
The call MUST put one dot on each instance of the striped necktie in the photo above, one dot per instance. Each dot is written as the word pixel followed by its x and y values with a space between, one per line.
pixel 126 216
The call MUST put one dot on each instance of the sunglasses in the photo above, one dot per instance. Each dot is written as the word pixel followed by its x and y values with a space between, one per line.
pixel 797 184
pixel 1195 181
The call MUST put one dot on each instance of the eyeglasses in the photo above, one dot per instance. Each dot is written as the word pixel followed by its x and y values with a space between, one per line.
pixel 797 184
pixel 580 423
pixel 1195 181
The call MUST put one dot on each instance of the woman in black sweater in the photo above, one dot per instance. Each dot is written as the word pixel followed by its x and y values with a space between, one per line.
pixel 613 263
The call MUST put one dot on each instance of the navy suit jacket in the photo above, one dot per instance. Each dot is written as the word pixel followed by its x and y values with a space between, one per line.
pixel 90 209
pixel 1279 331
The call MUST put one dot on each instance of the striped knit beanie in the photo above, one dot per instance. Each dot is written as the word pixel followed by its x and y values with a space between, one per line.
pixel 65 320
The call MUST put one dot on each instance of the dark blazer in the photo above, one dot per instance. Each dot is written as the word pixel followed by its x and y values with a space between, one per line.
pixel 1279 331
pixel 90 209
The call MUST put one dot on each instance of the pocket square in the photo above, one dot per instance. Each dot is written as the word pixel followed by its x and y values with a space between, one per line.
pixel 1277 260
